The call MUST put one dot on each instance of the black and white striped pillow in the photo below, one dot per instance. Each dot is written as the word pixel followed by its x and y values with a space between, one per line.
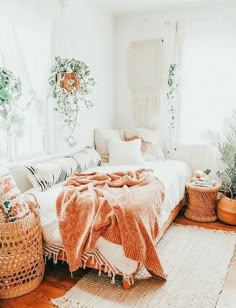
pixel 45 175
pixel 87 158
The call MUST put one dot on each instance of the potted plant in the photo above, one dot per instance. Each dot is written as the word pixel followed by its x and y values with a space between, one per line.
pixel 70 83
pixel 226 144
pixel 10 113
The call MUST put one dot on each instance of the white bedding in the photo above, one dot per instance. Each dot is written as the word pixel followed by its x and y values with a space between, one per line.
pixel 172 173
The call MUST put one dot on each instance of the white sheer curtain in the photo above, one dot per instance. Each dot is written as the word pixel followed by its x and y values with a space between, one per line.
pixel 209 66
pixel 26 31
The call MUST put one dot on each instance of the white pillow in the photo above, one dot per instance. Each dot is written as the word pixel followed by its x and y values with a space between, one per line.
pixel 101 137
pixel 125 152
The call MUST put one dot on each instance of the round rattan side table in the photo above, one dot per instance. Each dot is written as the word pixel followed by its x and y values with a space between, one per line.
pixel 201 207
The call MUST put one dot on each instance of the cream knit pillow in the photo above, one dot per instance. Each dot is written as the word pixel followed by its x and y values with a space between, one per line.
pixel 125 152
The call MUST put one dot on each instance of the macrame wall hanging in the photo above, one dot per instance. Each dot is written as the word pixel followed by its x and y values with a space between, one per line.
pixel 145 75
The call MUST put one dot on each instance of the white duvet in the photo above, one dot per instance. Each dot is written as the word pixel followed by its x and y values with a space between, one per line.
pixel 172 173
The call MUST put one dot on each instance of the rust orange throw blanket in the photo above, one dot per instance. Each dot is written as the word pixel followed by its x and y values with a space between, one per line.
pixel 122 207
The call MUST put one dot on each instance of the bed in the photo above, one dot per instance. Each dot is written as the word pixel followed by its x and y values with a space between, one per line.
pixel 107 256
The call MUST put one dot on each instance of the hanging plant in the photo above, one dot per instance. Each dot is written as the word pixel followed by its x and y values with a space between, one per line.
pixel 171 96
pixel 10 112
pixel 70 83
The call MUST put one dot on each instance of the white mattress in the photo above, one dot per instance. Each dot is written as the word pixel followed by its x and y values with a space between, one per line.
pixel 172 173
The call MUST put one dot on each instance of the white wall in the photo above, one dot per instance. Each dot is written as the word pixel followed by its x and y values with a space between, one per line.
pixel 159 24
pixel 86 33
pixel 153 25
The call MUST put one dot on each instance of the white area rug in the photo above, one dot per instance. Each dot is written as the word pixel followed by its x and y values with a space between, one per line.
pixel 196 261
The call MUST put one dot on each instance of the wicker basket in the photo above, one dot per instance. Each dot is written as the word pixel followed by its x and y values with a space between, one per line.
pixel 21 256
pixel 226 210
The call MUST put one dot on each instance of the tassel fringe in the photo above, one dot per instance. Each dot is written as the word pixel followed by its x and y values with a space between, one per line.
pixel 146 110
pixel 101 264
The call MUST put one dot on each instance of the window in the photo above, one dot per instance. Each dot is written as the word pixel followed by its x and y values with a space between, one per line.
pixel 37 59
pixel 25 49
pixel 208 79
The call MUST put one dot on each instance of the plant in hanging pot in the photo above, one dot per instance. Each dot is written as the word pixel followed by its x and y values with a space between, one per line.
pixel 11 117
pixel 226 144
pixel 70 83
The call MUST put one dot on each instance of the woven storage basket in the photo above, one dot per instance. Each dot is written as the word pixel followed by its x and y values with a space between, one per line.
pixel 21 256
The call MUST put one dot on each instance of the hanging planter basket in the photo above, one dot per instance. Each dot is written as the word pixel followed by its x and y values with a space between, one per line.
pixel 69 84
pixel 68 81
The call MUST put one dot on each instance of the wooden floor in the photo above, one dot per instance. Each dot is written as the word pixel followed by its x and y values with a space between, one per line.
pixel 57 279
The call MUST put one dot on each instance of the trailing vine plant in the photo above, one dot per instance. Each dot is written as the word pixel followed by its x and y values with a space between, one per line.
pixel 171 97
pixel 70 83
pixel 10 112
pixel 173 87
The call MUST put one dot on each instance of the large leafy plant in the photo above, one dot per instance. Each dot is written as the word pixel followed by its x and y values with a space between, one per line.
pixel 68 99
pixel 226 144
pixel 10 113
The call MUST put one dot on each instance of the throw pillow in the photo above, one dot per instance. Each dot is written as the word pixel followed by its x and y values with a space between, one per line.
pixel 125 153
pixel 87 158
pixel 12 204
pixel 101 137
pixel 151 144
pixel 45 175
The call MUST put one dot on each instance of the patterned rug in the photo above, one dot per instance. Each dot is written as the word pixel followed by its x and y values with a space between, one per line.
pixel 195 259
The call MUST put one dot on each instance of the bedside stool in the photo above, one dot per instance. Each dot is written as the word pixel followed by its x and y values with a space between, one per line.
pixel 201 207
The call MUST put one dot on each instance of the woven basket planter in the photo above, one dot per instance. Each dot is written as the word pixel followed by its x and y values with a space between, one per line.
pixel 21 256
pixel 226 210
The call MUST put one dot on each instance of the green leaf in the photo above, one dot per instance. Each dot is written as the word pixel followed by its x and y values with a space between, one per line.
pixel 4 95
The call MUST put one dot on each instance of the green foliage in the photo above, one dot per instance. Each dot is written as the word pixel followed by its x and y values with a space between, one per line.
pixel 10 91
pixel 68 103
pixel 172 82
pixel 226 144
pixel 171 96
